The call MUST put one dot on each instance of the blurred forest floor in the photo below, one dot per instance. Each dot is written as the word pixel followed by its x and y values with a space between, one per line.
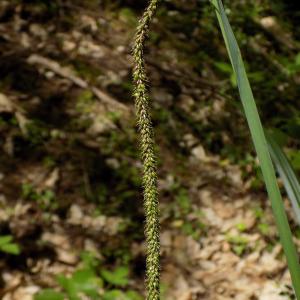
pixel 70 174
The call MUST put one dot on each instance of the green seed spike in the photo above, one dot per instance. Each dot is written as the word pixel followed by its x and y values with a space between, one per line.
pixel 148 155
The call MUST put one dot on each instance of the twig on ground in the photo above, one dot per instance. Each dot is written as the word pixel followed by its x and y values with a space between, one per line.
pixel 67 73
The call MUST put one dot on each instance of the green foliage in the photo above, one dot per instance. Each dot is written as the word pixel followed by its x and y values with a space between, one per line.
pixel 259 212
pixel 183 201
pixel 289 178
pixel 120 295
pixel 37 132
pixel 260 144
pixel 227 69
pixel 120 144
pixel 241 227
pixel 294 157
pixel 180 211
pixel 7 246
pixel 49 294
pixel 49 162
pixel 117 277
pixel 293 67
pixel 89 260
pixel 127 15
pixel 46 199
pixel 264 228
pixel 239 244
pixel 115 116
pixel 83 281
pixel 92 281
pixel 85 102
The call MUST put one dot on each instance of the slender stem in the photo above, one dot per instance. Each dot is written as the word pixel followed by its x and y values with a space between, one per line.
pixel 147 145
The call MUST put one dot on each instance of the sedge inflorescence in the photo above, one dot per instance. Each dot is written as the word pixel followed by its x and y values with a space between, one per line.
pixel 147 145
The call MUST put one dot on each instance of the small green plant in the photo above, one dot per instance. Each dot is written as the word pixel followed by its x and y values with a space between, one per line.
pixel 37 132
pixel 85 102
pixel 180 210
pixel 84 282
pixel 45 199
pixel 183 200
pixel 92 281
pixel 238 243
pixel 241 227
pixel 117 277
pixel 293 67
pixel 227 69
pixel 8 246
pixel 264 228
pixel 49 294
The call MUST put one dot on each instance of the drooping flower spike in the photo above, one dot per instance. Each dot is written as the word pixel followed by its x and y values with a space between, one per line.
pixel 148 155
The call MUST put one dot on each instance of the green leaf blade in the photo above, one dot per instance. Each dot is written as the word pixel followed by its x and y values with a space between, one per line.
pixel 289 178
pixel 260 144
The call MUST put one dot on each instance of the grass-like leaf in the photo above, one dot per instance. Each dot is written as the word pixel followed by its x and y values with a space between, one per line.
pixel 260 144
pixel 287 174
